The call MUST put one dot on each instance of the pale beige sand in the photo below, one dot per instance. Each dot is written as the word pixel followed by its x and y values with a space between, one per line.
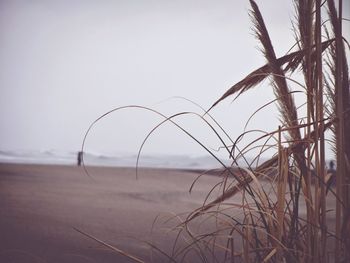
pixel 40 205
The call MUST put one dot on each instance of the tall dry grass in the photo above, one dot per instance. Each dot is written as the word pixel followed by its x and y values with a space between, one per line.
pixel 293 218
pixel 288 209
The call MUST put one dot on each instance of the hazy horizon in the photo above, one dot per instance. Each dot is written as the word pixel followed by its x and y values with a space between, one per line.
pixel 64 63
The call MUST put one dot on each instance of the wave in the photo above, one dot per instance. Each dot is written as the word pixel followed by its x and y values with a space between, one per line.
pixel 102 159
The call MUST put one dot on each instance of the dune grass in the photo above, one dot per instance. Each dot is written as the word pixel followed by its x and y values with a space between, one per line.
pixel 287 219
pixel 272 227
pixel 288 210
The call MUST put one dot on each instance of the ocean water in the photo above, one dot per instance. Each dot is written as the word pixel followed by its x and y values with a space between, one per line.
pixel 118 160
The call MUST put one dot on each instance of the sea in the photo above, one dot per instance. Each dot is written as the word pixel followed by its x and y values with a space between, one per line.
pixel 117 160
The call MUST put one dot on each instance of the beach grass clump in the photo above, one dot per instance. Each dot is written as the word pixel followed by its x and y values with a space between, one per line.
pixel 291 210
pixel 290 207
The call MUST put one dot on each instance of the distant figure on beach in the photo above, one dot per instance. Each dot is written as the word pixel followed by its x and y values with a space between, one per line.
pixel 80 158
pixel 330 179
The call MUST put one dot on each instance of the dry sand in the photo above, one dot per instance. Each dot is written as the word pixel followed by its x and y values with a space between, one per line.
pixel 42 204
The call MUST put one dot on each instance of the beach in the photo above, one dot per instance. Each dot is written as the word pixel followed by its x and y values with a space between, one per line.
pixel 55 213
pixel 44 206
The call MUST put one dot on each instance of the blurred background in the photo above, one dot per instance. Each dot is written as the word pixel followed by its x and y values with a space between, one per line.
pixel 65 63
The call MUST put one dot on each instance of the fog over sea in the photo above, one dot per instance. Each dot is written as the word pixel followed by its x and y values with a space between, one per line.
pixel 118 160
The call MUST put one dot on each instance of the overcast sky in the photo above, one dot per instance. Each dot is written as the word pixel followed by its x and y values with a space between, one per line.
pixel 64 63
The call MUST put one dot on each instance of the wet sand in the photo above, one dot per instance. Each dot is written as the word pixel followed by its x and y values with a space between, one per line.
pixel 42 204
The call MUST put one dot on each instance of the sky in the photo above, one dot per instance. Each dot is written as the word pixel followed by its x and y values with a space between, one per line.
pixel 65 63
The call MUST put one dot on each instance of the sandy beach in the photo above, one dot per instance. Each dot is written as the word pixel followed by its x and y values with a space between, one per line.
pixel 41 205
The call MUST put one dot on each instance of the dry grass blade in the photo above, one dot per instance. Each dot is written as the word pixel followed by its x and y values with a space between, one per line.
pixel 286 102
pixel 342 130
pixel 270 255
pixel 281 191
pixel 171 120
pixel 246 180
pixel 119 251
pixel 165 120
pixel 291 62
